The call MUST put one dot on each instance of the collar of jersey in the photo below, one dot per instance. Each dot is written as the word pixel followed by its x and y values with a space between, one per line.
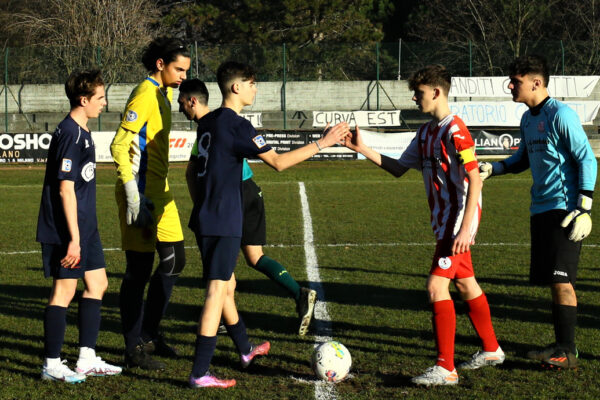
pixel 153 81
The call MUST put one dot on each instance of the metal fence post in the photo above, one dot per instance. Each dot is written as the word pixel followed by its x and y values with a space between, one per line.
pixel 562 50
pixel 283 99
pixel 6 90
pixel 377 57
pixel 399 58
pixel 99 62
pixel 470 58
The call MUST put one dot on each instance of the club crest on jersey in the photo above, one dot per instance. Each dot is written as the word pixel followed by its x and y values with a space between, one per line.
pixel 66 165
pixel 87 172
pixel 541 127
pixel 444 262
pixel 259 141
pixel 131 116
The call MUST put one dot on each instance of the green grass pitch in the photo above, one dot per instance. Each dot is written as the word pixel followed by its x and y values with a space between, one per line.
pixel 374 246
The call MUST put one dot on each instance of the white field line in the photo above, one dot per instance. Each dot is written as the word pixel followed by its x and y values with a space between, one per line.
pixel 392 244
pixel 322 321
pixel 325 182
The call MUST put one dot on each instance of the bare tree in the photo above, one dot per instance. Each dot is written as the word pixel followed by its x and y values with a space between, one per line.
pixel 80 34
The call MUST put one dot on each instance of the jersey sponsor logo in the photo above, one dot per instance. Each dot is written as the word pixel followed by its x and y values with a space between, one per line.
pixel 459 136
pixel 444 262
pixel 88 170
pixel 561 273
pixel 259 141
pixel 66 165
pixel 131 116
pixel 541 127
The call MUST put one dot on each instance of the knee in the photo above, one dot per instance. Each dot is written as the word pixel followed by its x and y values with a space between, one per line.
pixel 231 285
pixel 139 266
pixel 172 259
pixel 62 295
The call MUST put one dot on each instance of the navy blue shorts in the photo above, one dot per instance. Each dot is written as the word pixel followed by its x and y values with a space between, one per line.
pixel 219 256
pixel 92 257
pixel 254 228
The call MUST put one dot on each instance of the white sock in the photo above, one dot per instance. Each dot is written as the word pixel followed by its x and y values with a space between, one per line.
pixel 52 362
pixel 87 353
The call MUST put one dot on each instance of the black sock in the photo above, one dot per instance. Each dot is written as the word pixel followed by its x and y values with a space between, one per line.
pixel 238 334
pixel 205 348
pixel 565 320
pixel 89 321
pixel 55 324
pixel 131 296
pixel 157 300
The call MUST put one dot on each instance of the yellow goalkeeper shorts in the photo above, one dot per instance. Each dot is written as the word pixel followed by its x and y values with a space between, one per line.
pixel 166 228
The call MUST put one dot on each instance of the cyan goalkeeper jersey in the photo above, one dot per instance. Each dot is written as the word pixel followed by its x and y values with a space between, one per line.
pixel 559 154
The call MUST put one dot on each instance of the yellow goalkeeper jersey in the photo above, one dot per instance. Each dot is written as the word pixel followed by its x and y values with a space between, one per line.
pixel 140 147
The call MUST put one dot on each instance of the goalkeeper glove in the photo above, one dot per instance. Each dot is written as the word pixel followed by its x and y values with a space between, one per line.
pixel 144 218
pixel 487 169
pixel 132 196
pixel 582 221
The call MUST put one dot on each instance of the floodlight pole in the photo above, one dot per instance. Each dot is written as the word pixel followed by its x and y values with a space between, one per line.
pixel 377 51
pixel 284 106
pixel 399 58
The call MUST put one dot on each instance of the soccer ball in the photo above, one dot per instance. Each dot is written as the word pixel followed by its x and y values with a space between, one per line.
pixel 331 361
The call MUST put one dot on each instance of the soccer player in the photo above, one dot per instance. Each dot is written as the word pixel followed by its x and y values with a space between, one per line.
pixel 444 152
pixel 224 140
pixel 68 231
pixel 563 167
pixel 193 102
pixel 147 211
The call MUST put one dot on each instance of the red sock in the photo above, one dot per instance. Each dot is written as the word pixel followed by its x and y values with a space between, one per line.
pixel 444 327
pixel 479 313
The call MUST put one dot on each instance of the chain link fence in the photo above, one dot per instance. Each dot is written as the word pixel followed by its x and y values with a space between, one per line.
pixel 349 61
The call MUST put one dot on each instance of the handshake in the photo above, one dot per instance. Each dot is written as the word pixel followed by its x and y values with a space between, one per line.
pixel 139 208
pixel 579 217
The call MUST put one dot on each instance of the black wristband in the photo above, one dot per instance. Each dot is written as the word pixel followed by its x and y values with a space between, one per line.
pixel 391 165
pixel 588 193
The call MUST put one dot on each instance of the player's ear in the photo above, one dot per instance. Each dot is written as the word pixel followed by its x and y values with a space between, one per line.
pixel 160 64
pixel 83 101
pixel 235 87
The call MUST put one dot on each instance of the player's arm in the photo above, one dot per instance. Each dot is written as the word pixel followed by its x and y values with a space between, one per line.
pixel 462 241
pixel 191 174
pixel 516 163
pixel 354 142
pixel 571 132
pixel 279 162
pixel 69 204
pixel 119 149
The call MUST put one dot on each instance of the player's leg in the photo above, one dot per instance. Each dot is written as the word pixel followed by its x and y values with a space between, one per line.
pixel 131 301
pixel 171 252
pixel 237 329
pixel 89 317
pixel 444 318
pixel 171 263
pixel 254 237
pixel 219 256
pixel 64 286
pixel 480 316
pixel 554 260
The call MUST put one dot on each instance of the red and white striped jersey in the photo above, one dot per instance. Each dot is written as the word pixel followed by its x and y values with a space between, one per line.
pixel 435 152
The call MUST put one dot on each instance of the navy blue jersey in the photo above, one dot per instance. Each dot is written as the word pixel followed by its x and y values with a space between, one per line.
pixel 72 157
pixel 224 140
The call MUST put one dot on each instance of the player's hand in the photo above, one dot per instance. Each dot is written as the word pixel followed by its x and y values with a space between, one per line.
pixel 73 256
pixel 334 135
pixel 581 219
pixel 132 195
pixel 354 140
pixel 145 218
pixel 462 243
pixel 485 170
